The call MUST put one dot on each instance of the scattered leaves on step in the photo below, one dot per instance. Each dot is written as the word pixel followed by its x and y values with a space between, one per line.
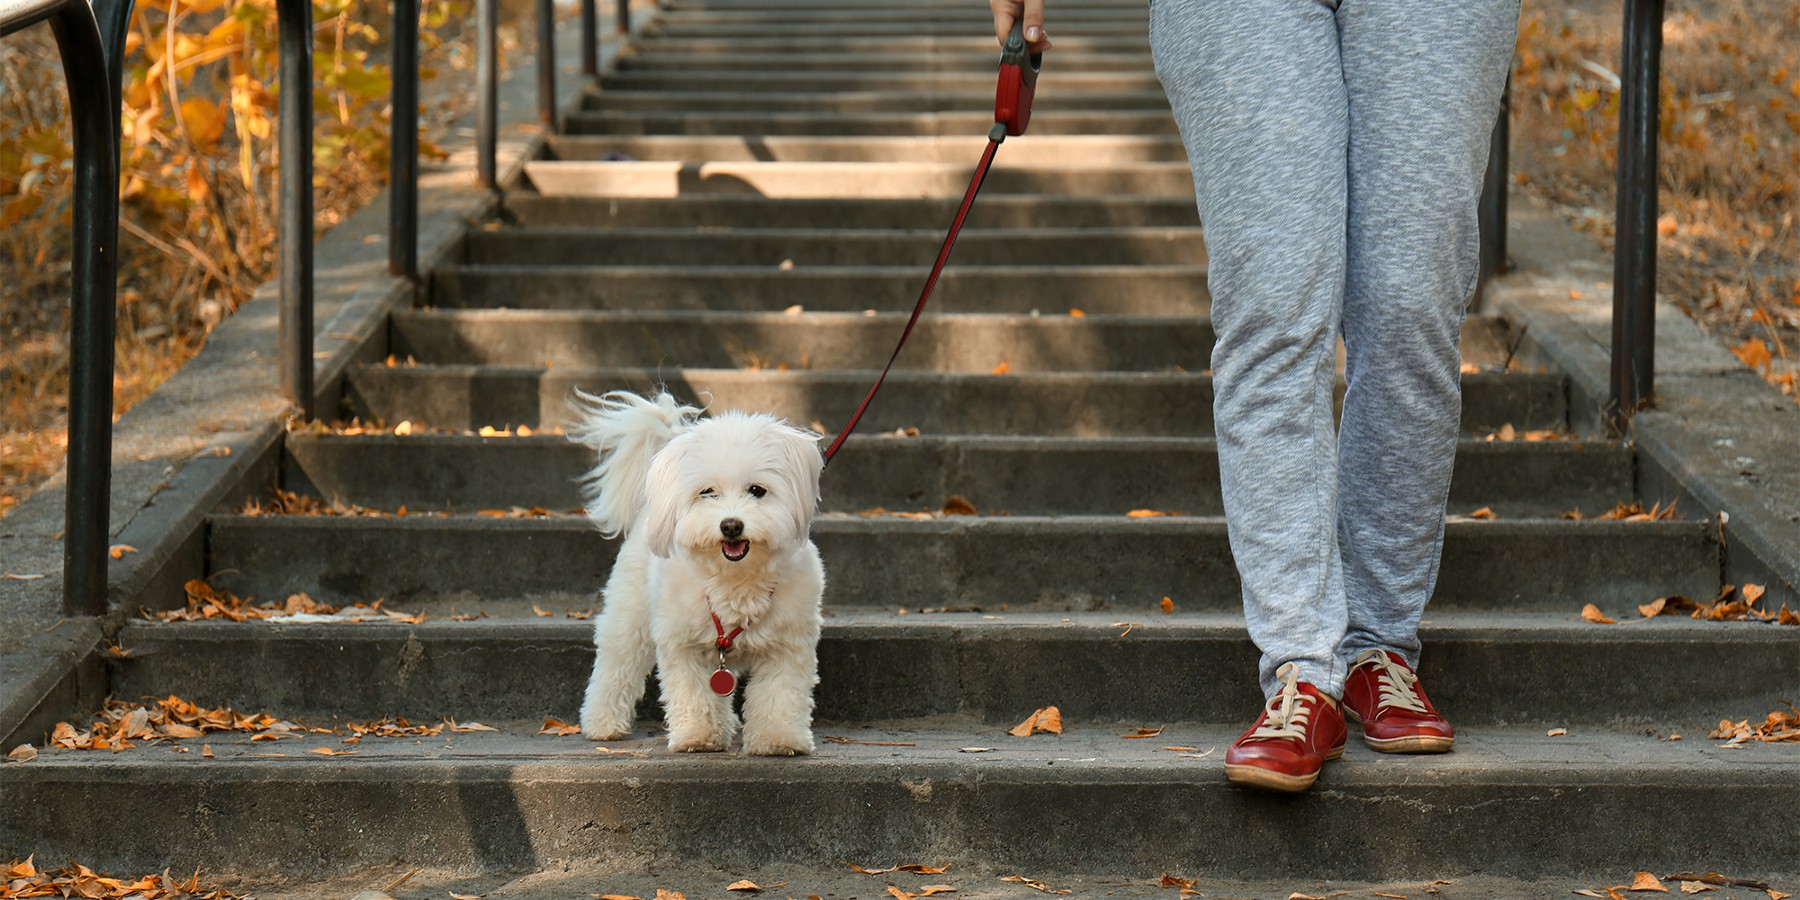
pixel 1149 514
pixel 559 728
pixel 291 503
pixel 1508 433
pixel 1032 883
pixel 1176 881
pixel 392 727
pixel 22 753
pixel 1167 605
pixel 1592 613
pixel 25 879
pixel 521 512
pixel 1048 719
pixel 844 740
pixel 1778 726
pixel 1645 881
pixel 171 718
pixel 205 602
pixel 1140 733
pixel 915 868
pixel 118 551
pixel 1722 608
pixel 1635 512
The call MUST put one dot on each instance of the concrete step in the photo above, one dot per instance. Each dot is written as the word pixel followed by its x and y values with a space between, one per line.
pixel 731 97
pixel 1021 475
pixel 979 61
pixel 1104 290
pixel 1081 404
pixel 1126 26
pixel 967 45
pixel 820 340
pixel 975 121
pixel 825 83
pixel 965 149
pixel 1506 802
pixel 677 247
pixel 724 211
pixel 1075 562
pixel 861 180
pixel 1482 669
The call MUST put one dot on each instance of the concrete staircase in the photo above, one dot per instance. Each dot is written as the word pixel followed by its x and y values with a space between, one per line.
pixel 746 208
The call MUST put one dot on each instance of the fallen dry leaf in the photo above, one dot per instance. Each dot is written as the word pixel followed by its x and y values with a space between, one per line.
pixel 1389 896
pixel 1556 732
pixel 1592 613
pixel 559 728
pixel 24 879
pixel 467 727
pixel 1032 883
pixel 327 751
pixel 1486 512
pixel 666 894
pixel 1138 733
pixel 957 506
pixel 617 896
pixel 974 749
pixel 1148 514
pixel 751 886
pixel 845 740
pixel 118 551
pixel 1777 726
pixel 456 896
pixel 1644 881
pixel 1076 314
pixel 1696 887
pixel 1175 881
pixel 1167 605
pixel 1048 719
pixel 1003 368
pixel 22 753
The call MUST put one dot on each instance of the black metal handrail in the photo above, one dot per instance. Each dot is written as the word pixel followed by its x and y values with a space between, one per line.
pixel 90 40
pixel 1633 369
pixel 294 38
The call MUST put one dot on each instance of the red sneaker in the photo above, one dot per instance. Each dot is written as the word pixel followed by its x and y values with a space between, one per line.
pixel 1298 731
pixel 1384 694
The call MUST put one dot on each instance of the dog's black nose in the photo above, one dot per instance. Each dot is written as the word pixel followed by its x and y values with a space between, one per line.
pixel 732 529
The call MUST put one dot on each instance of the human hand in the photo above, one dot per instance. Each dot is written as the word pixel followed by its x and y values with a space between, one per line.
pixel 1006 12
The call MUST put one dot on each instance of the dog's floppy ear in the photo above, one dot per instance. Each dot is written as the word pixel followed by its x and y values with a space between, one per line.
pixel 799 449
pixel 667 496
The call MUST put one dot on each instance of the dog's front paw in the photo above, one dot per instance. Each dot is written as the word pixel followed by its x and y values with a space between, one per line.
pixel 701 744
pixel 770 744
pixel 596 727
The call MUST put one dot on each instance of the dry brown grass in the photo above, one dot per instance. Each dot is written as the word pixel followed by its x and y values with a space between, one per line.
pixel 1729 251
pixel 197 223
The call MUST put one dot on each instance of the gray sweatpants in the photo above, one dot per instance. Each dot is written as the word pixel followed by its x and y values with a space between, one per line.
pixel 1337 149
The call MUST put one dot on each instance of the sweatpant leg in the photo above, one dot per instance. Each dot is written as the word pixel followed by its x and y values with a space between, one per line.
pixel 1258 92
pixel 1424 79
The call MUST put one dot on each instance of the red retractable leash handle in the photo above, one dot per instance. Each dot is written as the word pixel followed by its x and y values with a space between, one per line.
pixel 1012 112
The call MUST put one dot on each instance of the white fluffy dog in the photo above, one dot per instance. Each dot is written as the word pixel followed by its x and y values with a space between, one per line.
pixel 717 577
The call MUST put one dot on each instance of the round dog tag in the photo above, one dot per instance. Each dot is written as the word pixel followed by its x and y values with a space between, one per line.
pixel 724 683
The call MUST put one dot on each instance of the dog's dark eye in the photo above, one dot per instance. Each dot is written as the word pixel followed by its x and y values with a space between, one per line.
pixel 758 491
pixel 709 492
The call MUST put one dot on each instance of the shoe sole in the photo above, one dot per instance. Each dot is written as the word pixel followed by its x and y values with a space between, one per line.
pixel 1268 779
pixel 1412 743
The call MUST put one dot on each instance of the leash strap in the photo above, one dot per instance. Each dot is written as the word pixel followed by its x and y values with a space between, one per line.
pixel 995 136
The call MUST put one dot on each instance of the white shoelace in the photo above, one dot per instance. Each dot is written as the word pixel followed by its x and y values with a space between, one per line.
pixel 1288 710
pixel 1397 683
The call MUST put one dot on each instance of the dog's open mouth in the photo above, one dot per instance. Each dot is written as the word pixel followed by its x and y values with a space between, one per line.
pixel 736 550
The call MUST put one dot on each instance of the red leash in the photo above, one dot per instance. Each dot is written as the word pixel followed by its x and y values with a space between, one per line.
pixel 1012 112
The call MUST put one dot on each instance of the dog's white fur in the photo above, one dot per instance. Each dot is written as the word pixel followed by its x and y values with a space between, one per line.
pixel 667 480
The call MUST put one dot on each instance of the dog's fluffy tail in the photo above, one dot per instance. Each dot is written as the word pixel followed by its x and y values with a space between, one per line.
pixel 626 430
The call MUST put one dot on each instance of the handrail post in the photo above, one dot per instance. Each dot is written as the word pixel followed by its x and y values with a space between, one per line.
pixel 296 235
pixel 623 14
pixel 590 38
pixel 487 87
pixel 1492 211
pixel 1634 239
pixel 403 145
pixel 94 117
pixel 546 69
